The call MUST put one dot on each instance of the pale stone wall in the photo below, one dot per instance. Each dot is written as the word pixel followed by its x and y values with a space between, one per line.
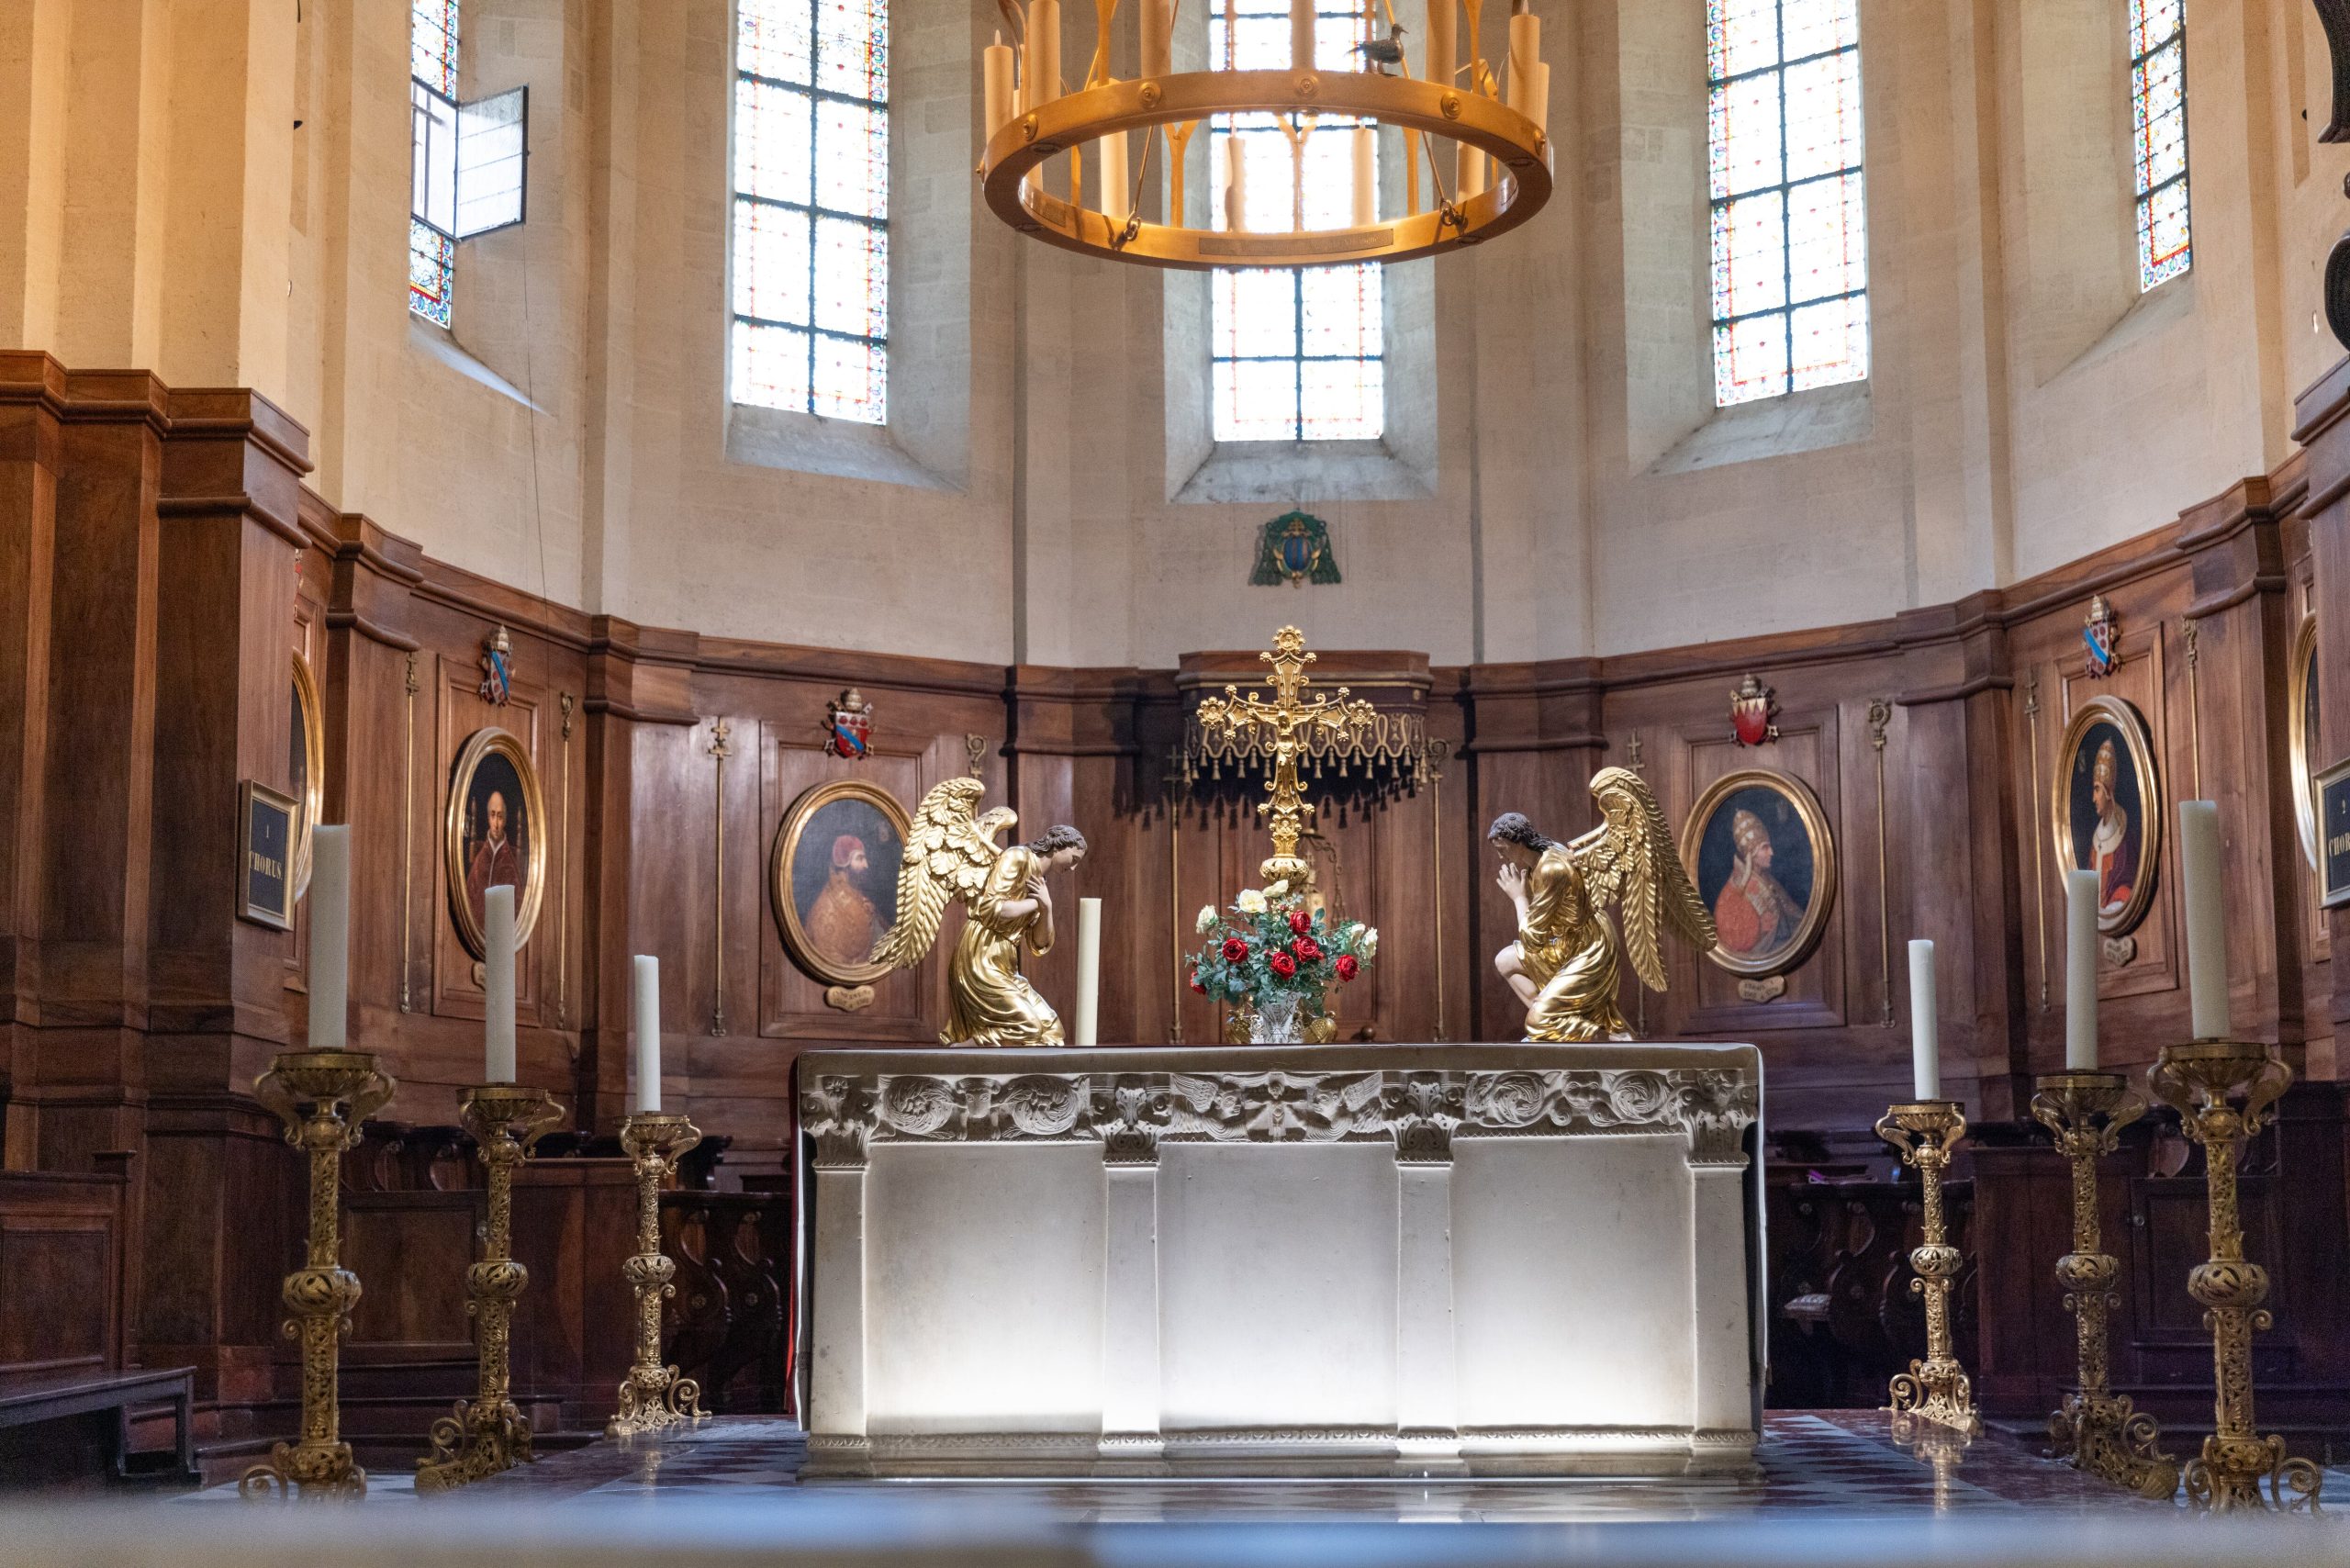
pixel 1032 499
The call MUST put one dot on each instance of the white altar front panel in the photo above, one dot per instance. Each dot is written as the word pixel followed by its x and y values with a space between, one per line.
pixel 1350 1260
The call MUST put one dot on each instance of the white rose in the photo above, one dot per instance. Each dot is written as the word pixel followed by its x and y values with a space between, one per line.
pixel 1250 901
pixel 1276 889
pixel 1371 943
pixel 1206 920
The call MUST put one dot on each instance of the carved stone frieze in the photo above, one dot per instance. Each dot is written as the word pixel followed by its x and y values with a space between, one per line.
pixel 1132 1114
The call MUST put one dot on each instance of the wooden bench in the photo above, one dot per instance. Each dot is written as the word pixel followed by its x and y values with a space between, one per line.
pixel 25 1401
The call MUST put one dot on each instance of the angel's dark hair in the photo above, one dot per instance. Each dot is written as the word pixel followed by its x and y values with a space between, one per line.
pixel 1511 827
pixel 1053 840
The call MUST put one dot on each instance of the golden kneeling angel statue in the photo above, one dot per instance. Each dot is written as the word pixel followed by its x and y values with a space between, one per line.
pixel 1564 964
pixel 953 858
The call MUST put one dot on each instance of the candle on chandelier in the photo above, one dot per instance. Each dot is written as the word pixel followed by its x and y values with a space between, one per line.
pixel 645 993
pixel 1525 55
pixel 1158 37
pixel 2080 971
pixel 1043 53
pixel 2199 878
pixel 1366 167
pixel 1925 1049
pixel 1470 176
pixel 1442 61
pixel 996 66
pixel 497 985
pixel 1235 183
pixel 1116 192
pixel 329 937
pixel 1537 105
pixel 1088 972
pixel 1301 35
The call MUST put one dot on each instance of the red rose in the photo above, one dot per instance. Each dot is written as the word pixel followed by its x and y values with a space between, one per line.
pixel 1300 921
pixel 1308 950
pixel 1283 965
pixel 1234 949
pixel 1196 985
pixel 1347 967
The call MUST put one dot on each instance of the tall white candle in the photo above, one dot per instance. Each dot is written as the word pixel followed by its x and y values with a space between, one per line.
pixel 1525 56
pixel 1301 35
pixel 329 937
pixel 1366 153
pixel 996 71
pixel 1235 185
pixel 2080 971
pixel 1117 192
pixel 497 985
pixel 1537 106
pixel 1158 37
pixel 1925 1047
pixel 1443 56
pixel 1470 176
pixel 1088 972
pixel 645 994
pixel 2200 880
pixel 1043 53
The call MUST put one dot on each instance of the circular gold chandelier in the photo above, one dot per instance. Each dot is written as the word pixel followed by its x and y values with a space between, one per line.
pixel 1495 175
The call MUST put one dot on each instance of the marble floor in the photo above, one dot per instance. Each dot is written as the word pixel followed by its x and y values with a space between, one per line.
pixel 1840 1462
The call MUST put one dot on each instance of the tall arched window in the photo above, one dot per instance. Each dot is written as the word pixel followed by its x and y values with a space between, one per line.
pixel 1296 352
pixel 1790 231
pixel 811 192
pixel 2158 112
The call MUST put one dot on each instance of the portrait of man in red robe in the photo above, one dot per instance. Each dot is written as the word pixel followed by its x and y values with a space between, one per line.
pixel 1754 915
pixel 2113 847
pixel 843 923
pixel 494 862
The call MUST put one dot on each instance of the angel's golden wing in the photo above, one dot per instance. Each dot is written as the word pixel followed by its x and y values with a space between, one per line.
pixel 1631 863
pixel 947 860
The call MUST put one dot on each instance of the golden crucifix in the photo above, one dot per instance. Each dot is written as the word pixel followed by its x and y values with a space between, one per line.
pixel 1288 721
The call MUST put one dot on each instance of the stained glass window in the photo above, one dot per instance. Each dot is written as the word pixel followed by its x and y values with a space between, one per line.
pixel 2158 105
pixel 432 105
pixel 811 196
pixel 1296 354
pixel 1790 229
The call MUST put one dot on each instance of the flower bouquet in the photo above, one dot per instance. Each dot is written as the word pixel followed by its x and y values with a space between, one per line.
pixel 1270 955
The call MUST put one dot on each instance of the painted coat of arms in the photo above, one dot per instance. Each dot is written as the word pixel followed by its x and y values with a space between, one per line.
pixel 848 725
pixel 1296 548
pixel 497 686
pixel 2101 634
pixel 1752 707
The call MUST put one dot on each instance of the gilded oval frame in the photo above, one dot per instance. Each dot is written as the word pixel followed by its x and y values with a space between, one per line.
pixel 479 747
pixel 2300 675
pixel 786 849
pixel 1824 887
pixel 309 801
pixel 2138 742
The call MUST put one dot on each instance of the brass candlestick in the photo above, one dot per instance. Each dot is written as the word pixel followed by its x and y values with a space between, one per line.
pixel 2203 1083
pixel 322 1097
pixel 1935 1389
pixel 488 1434
pixel 653 1395
pixel 2096 1429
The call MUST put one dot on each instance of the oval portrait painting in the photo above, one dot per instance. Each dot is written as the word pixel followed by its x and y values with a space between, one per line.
pixel 835 878
pixel 496 834
pixel 2108 810
pixel 1759 849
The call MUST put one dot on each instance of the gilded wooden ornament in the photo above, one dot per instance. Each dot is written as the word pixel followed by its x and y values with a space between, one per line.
pixel 1566 962
pixel 1936 1389
pixel 2222 1091
pixel 652 1396
pixel 1288 726
pixel 951 856
pixel 322 1097
pixel 307 762
pixel 487 1434
pixel 2096 1429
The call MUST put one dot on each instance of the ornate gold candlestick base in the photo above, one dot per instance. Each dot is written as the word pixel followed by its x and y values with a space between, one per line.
pixel 1935 1389
pixel 322 1097
pixel 2203 1082
pixel 2096 1429
pixel 487 1434
pixel 654 1395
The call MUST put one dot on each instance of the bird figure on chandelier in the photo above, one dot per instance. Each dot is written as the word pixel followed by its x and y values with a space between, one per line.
pixel 1378 55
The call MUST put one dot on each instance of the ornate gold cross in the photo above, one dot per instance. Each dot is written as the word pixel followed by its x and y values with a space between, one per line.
pixel 1288 721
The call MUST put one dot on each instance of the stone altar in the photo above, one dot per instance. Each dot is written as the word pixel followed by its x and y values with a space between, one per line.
pixel 1311 1259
